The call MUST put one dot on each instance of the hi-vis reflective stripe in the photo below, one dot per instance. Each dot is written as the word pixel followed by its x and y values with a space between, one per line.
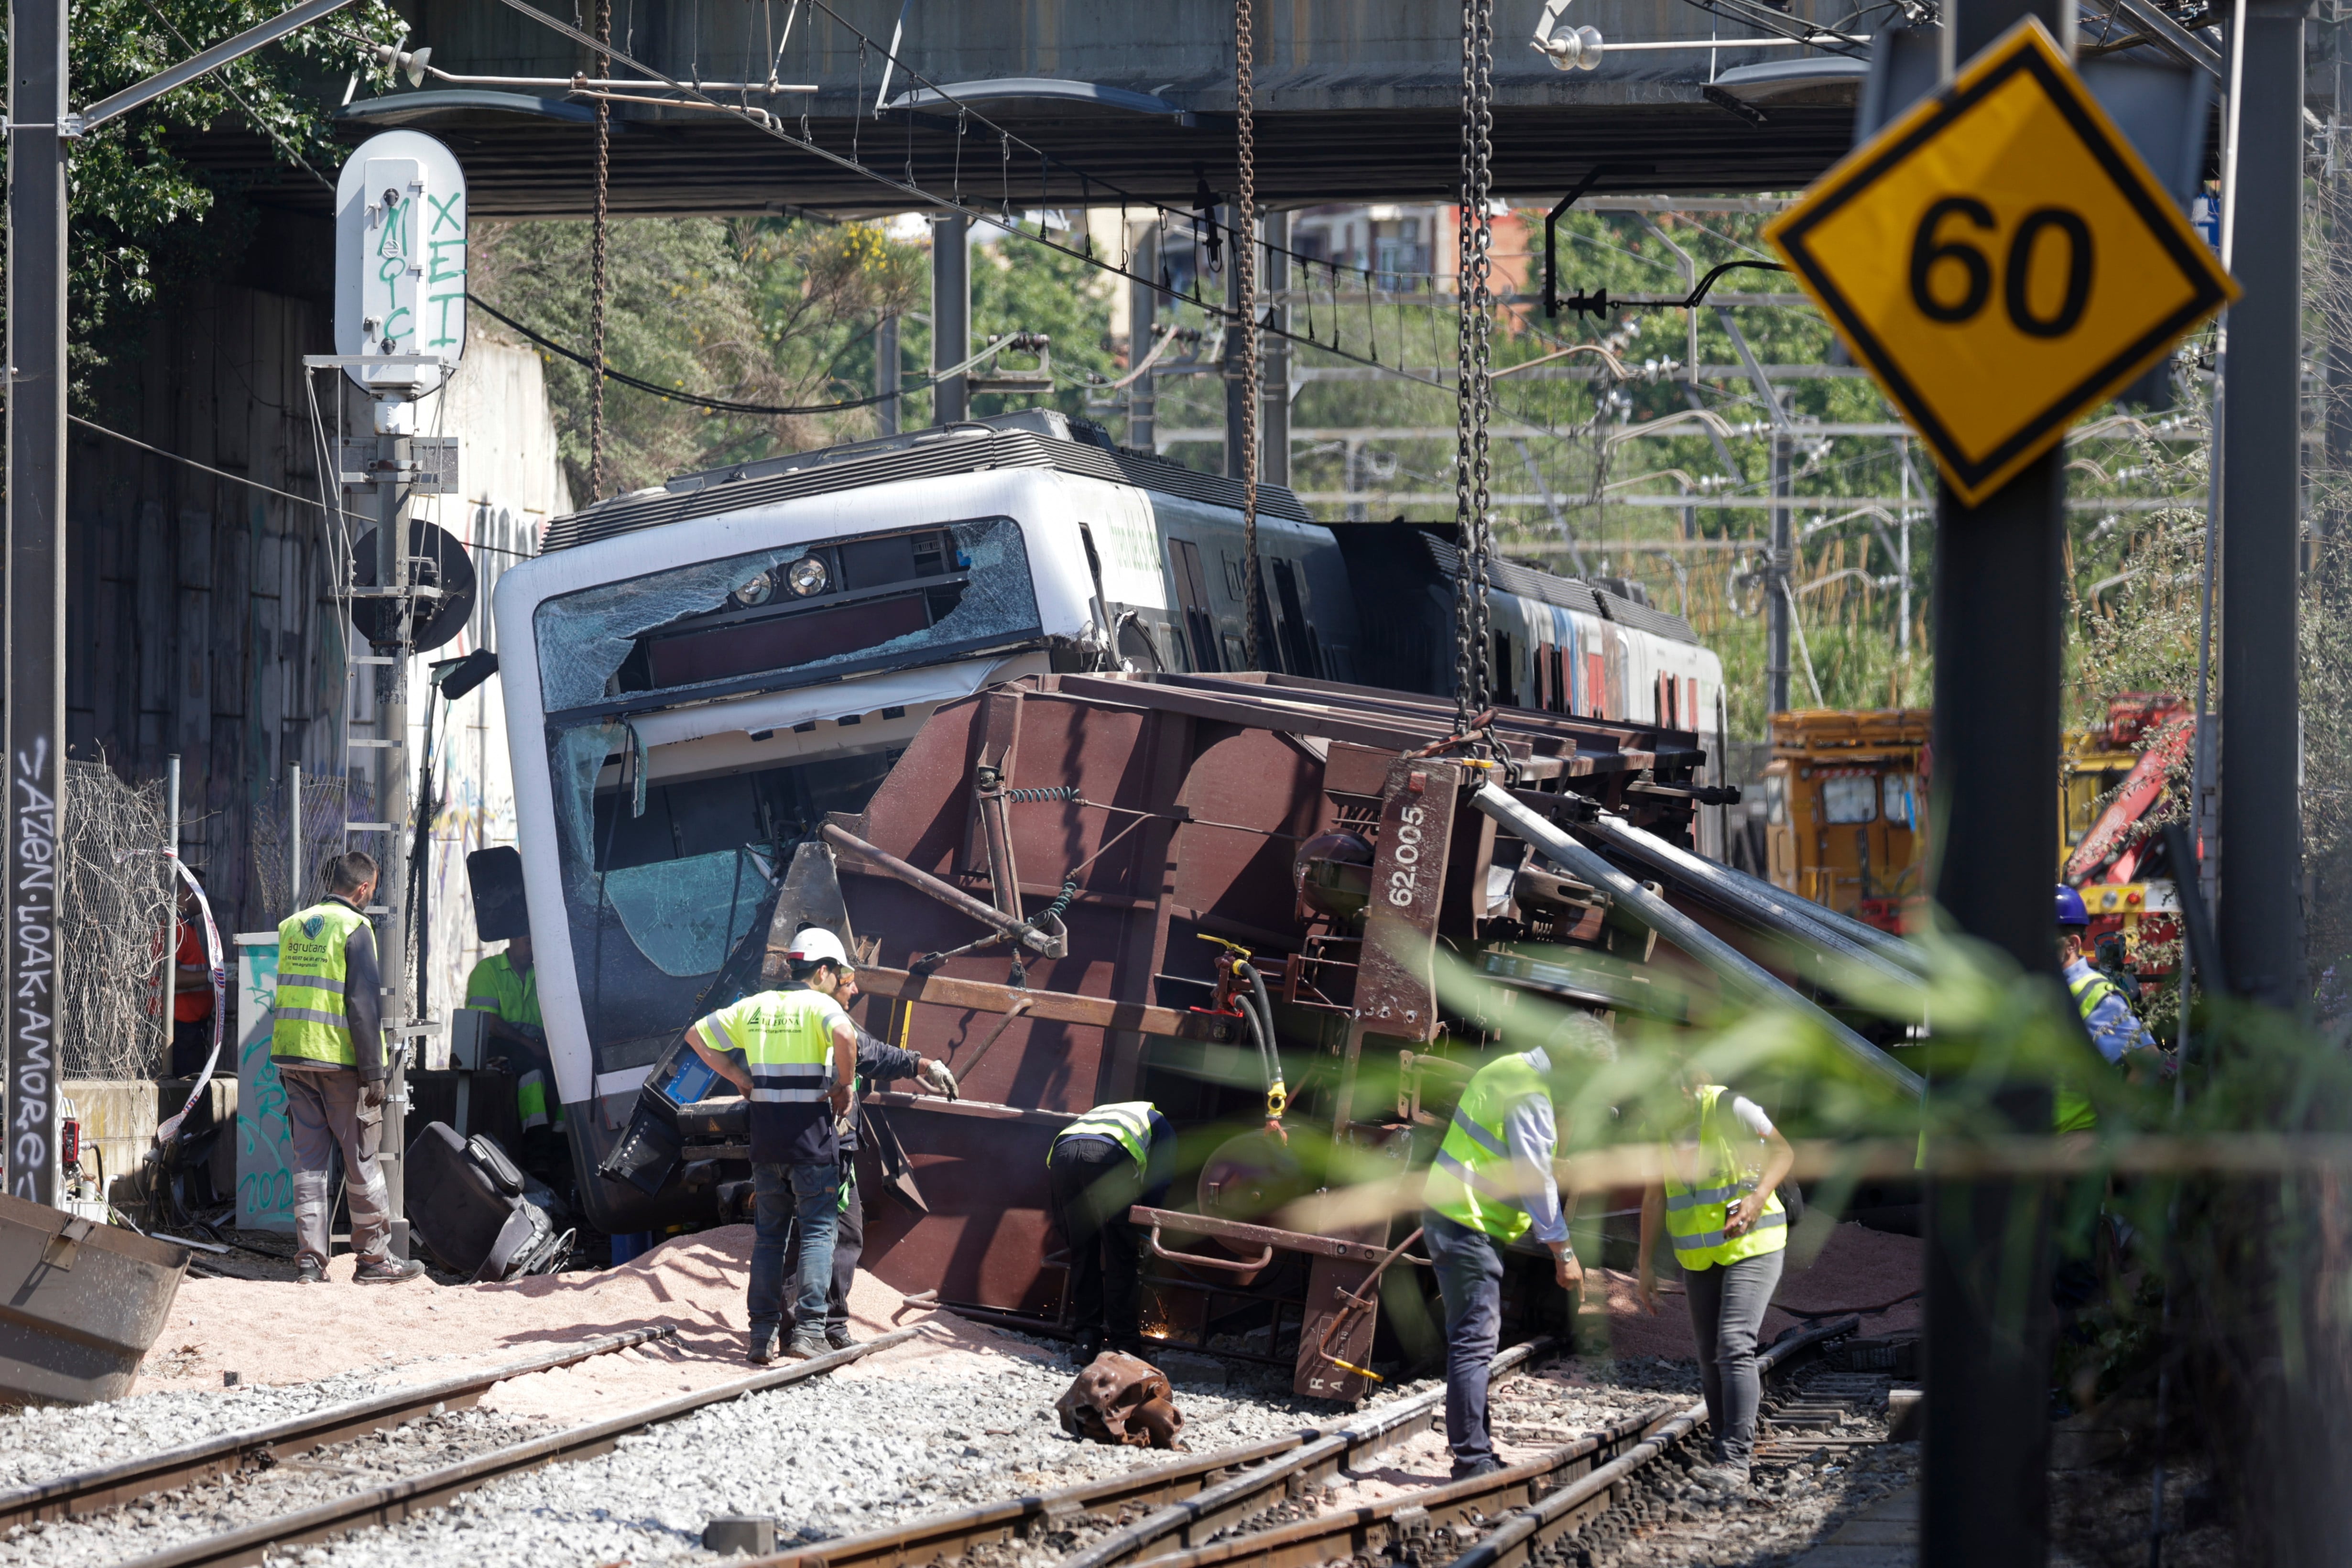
pixel 789 1083
pixel 1675 1203
pixel 333 983
pixel 1477 1181
pixel 312 1016
pixel 1480 1136
pixel 1707 1239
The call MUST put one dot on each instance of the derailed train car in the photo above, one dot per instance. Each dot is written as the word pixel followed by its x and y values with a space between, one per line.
pixel 969 695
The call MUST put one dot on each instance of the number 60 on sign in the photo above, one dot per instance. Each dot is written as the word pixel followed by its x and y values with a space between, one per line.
pixel 2001 260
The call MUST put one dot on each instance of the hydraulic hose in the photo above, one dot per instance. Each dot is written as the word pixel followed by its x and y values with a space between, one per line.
pixel 1277 1095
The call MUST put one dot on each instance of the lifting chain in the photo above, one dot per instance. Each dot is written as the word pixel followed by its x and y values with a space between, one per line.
pixel 596 266
pixel 1245 254
pixel 1473 674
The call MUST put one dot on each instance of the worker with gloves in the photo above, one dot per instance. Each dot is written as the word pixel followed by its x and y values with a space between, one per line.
pixel 1492 1182
pixel 1720 1201
pixel 506 987
pixel 793 1052
pixel 877 1061
pixel 2114 1027
pixel 326 1040
pixel 1099 1167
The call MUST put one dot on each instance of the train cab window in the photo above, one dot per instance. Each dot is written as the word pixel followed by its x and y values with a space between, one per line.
pixel 1776 800
pixel 1902 805
pixel 1849 798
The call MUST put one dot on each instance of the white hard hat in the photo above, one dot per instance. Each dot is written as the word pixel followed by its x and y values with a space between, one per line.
pixel 817 945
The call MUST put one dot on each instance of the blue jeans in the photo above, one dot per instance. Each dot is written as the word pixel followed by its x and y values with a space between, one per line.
pixel 784 1196
pixel 1469 1269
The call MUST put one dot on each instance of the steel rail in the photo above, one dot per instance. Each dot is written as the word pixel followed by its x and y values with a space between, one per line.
pixel 1195 1497
pixel 1515 1540
pixel 88 1492
pixel 1555 1491
pixel 397 1500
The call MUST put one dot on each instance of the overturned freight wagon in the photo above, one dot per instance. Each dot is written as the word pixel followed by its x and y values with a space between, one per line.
pixel 967 696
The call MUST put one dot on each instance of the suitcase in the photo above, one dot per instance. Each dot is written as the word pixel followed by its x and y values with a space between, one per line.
pixel 476 1210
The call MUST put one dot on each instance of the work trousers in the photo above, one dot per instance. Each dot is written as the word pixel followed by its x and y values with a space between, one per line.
pixel 323 1110
pixel 848 1246
pixel 1469 1269
pixel 1092 1182
pixel 1726 1308
pixel 786 1199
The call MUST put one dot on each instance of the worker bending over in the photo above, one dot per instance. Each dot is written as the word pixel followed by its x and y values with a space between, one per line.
pixel 1104 1164
pixel 1722 1207
pixel 2114 1027
pixel 1492 1182
pixel 506 987
pixel 877 1061
pixel 326 1039
pixel 792 1052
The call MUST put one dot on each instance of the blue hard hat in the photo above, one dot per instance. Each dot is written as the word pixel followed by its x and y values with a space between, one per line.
pixel 2071 911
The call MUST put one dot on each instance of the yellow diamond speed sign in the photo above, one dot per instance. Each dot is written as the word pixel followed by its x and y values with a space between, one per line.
pixel 2001 260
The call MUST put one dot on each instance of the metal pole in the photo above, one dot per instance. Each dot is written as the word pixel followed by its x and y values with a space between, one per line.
pixel 1998 593
pixel 1236 392
pixel 394 419
pixel 297 848
pixel 2296 1426
pixel 2261 915
pixel 170 880
pixel 1903 559
pixel 36 583
pixel 1777 598
pixel 1274 402
pixel 951 316
pixel 1143 328
pixel 886 375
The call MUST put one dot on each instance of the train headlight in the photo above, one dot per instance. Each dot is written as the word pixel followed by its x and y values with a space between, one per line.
pixel 807 575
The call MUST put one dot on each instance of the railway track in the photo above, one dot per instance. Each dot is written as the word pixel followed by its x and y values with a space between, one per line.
pixel 391 1502
pixel 1502 1521
pixel 1186 1506
pixel 1187 1500
pixel 110 1486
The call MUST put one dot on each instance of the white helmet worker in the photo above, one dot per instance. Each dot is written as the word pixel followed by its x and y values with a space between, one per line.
pixel 815 945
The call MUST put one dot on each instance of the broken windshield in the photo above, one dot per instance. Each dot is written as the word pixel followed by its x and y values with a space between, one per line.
pixel 787 617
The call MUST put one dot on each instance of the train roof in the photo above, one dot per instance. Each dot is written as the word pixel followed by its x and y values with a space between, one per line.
pixel 1033 438
pixel 1568 593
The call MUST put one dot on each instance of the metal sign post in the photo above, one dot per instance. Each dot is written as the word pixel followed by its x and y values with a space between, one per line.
pixel 399 331
pixel 36 583
pixel 2002 260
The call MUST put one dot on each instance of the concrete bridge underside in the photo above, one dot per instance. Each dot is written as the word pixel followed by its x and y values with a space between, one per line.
pixel 1120 98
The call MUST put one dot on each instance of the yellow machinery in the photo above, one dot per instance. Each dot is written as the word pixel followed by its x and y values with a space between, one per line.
pixel 1845 807
pixel 1845 810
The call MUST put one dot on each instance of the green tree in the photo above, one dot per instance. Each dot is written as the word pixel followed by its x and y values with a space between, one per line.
pixel 141 216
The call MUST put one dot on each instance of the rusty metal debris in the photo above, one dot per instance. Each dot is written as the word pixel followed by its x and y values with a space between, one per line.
pixel 1123 1401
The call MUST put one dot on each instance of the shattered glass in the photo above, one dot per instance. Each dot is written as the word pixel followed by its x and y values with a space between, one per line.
pixel 687 915
pixel 584 637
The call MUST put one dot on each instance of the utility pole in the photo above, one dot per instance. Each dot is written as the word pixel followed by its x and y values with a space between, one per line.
pixel 1274 401
pixel 36 584
pixel 1985 1490
pixel 950 317
pixel 886 375
pixel 2294 1426
pixel 1778 600
pixel 395 422
pixel 1143 328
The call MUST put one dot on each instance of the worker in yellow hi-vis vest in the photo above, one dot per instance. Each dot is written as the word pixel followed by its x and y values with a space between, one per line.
pixel 506 987
pixel 1720 1203
pixel 327 1042
pixel 1491 1184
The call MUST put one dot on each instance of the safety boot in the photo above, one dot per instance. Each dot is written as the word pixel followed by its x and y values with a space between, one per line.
pixel 388 1271
pixel 762 1347
pixel 837 1335
pixel 806 1344
pixel 309 1271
